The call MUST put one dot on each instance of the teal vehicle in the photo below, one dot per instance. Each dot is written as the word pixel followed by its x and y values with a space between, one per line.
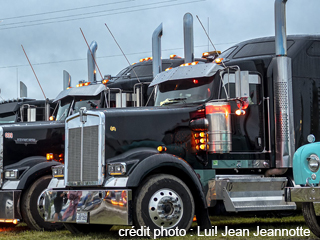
pixel 306 174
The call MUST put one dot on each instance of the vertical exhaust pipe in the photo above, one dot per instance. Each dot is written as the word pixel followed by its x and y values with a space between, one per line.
pixel 23 90
pixel 280 27
pixel 66 80
pixel 188 38
pixel 156 50
pixel 283 99
pixel 91 64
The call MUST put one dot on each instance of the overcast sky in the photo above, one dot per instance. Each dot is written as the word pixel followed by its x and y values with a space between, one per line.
pixel 50 33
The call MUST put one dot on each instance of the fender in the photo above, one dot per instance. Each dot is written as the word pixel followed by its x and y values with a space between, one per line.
pixel 175 166
pixel 36 171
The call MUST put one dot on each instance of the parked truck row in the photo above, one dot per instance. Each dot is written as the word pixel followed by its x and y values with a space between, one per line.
pixel 154 148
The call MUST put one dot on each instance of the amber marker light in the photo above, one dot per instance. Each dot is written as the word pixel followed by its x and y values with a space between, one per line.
pixel 240 112
pixel 105 81
pixel 49 156
pixel 168 69
pixel 161 148
pixel 218 60
pixel 87 83
pixel 51 118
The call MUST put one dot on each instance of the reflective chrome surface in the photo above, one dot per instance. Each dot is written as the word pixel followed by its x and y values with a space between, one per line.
pixel 8 204
pixel 188 38
pixel 219 130
pixel 303 194
pixel 116 182
pixel 156 50
pixel 280 27
pixel 91 58
pixel 10 185
pixel 84 154
pixel 283 101
pixel 165 208
pixel 94 206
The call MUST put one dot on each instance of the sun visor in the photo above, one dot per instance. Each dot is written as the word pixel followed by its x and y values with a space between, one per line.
pixel 192 71
pixel 86 91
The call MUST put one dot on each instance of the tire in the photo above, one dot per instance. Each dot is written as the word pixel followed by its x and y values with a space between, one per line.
pixel 163 201
pixel 29 209
pixel 311 218
pixel 87 228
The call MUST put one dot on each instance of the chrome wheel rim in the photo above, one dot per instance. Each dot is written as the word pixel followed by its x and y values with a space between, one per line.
pixel 165 208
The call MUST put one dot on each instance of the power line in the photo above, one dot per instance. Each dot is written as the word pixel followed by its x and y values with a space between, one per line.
pixel 107 56
pixel 83 14
pixel 101 15
pixel 65 10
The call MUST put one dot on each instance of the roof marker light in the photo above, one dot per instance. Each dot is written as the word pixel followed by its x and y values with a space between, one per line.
pixel 218 60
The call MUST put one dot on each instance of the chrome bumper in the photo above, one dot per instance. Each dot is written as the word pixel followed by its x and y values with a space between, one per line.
pixel 302 194
pixel 110 207
pixel 9 204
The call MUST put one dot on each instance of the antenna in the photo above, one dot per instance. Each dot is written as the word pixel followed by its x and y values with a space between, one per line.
pixel 0 95
pixel 209 38
pixel 122 52
pixel 91 54
pixel 33 72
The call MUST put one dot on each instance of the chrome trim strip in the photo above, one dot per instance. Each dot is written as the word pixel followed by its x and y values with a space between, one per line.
pixel 116 182
pixel 10 185
pixel 56 183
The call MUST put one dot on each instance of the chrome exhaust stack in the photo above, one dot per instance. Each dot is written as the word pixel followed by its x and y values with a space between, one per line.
pixel 23 90
pixel 91 62
pixel 66 80
pixel 156 50
pixel 283 99
pixel 188 38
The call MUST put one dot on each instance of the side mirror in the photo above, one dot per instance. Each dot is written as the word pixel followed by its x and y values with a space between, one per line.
pixel 242 84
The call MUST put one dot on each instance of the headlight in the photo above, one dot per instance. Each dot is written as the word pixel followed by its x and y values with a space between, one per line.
pixel 11 174
pixel 313 162
pixel 58 171
pixel 117 169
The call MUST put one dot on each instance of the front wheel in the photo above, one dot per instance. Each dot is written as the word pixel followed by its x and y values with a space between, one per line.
pixel 163 201
pixel 29 209
pixel 311 215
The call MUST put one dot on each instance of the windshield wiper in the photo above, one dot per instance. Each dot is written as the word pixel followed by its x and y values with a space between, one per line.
pixel 172 100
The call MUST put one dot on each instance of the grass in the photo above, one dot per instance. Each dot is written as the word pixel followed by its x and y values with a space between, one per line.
pixel 233 222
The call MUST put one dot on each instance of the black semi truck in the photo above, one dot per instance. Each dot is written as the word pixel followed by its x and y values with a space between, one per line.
pixel 219 133
pixel 28 151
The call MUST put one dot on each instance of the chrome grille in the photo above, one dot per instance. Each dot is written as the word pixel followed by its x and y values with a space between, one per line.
pixel 90 153
pixel 74 155
pixel 85 150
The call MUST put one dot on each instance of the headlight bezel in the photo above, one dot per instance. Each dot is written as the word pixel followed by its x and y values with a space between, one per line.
pixel 116 169
pixel 58 171
pixel 313 162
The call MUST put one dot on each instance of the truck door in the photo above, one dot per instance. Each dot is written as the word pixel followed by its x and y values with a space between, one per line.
pixel 248 128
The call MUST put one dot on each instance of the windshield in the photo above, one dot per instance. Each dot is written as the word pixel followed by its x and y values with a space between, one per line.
pixel 7 118
pixel 64 105
pixel 88 102
pixel 63 109
pixel 184 91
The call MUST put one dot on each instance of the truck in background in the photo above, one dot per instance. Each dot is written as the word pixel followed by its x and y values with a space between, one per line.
pixel 219 133
pixel 28 151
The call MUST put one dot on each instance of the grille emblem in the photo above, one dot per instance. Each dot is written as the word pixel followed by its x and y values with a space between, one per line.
pixel 83 116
